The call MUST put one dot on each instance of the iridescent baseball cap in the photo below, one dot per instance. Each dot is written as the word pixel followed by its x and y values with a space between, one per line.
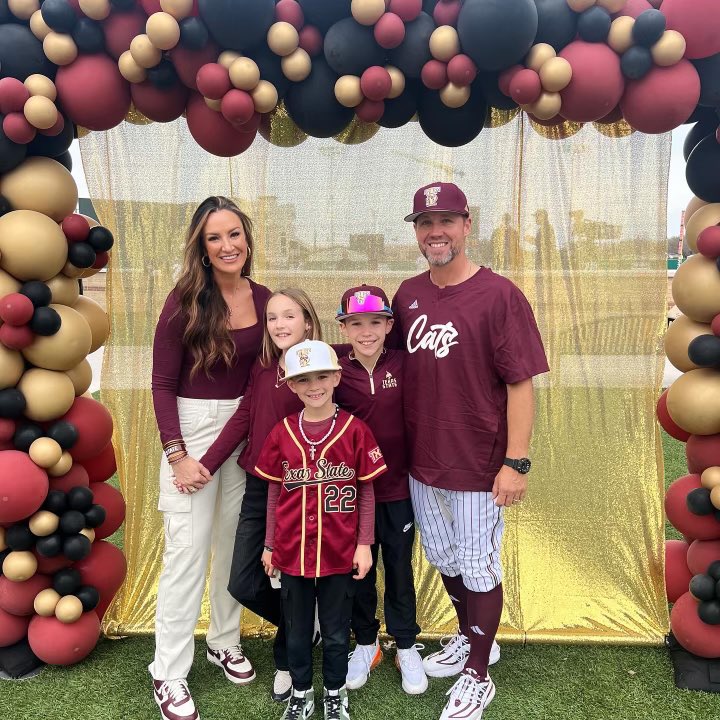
pixel 366 299
pixel 438 197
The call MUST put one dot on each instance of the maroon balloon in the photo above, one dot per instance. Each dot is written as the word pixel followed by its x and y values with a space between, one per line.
pixel 23 486
pixel 708 242
pixel 434 74
pixel 691 632
pixel 101 467
pixel 289 11
pixel 677 573
pixel 376 83
pixel 56 129
pixel 160 105
pixel 49 566
pixel 461 70
pixel 7 429
pixel 18 129
pixel 17 598
pixel 311 40
pixel 76 476
pixel 76 228
pixel 213 81
pixel 525 87
pixel 506 76
pixel 58 643
pixel 104 568
pixel 633 8
pixel 188 62
pixel 101 260
pixel 370 111
pixel 13 628
pixel 701 554
pixel 447 12
pixel 697 527
pixel 151 6
pixel 407 10
pixel 213 132
pixel 389 31
pixel 666 422
pixel 13 95
pixel 113 503
pixel 16 338
pixel 698 21
pixel 120 28
pixel 702 452
pixel 237 107
pixel 16 309
pixel 94 425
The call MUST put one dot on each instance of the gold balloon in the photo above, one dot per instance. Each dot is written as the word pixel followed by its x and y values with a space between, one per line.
pixel 539 54
pixel 279 129
pixel 612 6
pixel 81 377
pixel 397 78
pixel 62 466
pixel 696 288
pixel 695 204
pixel 227 58
pixel 65 290
pixel 40 112
pixel 547 106
pixel 130 70
pixel 43 185
pixel 265 96
pixel 715 497
pixel 46 602
pixel 244 74
pixel 710 478
pixel 444 43
pixel 41 85
pixel 8 284
pixel 555 75
pixel 703 218
pixel 282 38
pixel 669 49
pixel 89 533
pixel 19 565
pixel 68 609
pixel 179 9
pixel 455 96
pixel 59 48
pixel 297 65
pixel 43 523
pixel 96 9
pixel 32 246
pixel 367 12
pixel 11 367
pixel 620 37
pixel 38 26
pixel 71 271
pixel 677 339
pixel 45 452
pixel 693 401
pixel 97 319
pixel 163 30
pixel 145 54
pixel 48 394
pixel 23 9
pixel 66 348
pixel 347 91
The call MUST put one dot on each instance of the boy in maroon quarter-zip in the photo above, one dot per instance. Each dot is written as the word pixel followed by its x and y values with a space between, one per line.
pixel 371 388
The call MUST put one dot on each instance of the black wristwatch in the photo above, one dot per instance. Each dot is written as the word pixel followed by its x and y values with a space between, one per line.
pixel 522 465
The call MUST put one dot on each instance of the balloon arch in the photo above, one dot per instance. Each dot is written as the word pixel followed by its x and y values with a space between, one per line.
pixel 236 68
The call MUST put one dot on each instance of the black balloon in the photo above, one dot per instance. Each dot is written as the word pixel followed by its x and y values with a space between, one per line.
pixel 5 206
pixel 59 16
pixel 193 33
pixel 12 403
pixel 709 72
pixel 89 36
pixel 100 239
pixel 452 127
pixel 497 33
pixel 21 53
pixel 488 81
pixel 636 62
pixel 699 132
pixel 324 14
pixel 11 154
pixel 25 435
pixel 401 109
pixel 56 502
pixel 67 581
pixel 123 5
pixel 238 25
pixel 594 24
pixel 38 292
pixel 701 113
pixel 271 69
pixel 80 498
pixel 709 612
pixel 65 160
pixel 95 516
pixel 313 106
pixel 163 75
pixel 350 48
pixel 71 522
pixel 648 28
pixel 701 171
pixel 704 350
pixel 55 146
pixel 46 320
pixel 702 587
pixel 714 570
pixel 88 596
pixel 698 502
pixel 414 51
pixel 50 546
pixel 65 434
pixel 81 254
pixel 76 547
pixel 19 537
pixel 5 14
pixel 557 24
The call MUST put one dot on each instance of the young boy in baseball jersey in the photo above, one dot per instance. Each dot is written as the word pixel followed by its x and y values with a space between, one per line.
pixel 371 388
pixel 321 510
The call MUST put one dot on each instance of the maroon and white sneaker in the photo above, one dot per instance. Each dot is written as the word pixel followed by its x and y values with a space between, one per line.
pixel 469 696
pixel 174 700
pixel 235 665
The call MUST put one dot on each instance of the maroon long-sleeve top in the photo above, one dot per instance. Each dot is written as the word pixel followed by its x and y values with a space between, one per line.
pixel 172 362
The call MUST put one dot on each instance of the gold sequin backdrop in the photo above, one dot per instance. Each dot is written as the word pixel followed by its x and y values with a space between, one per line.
pixel 576 219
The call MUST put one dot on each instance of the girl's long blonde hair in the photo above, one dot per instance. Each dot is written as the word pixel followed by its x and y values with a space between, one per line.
pixel 206 333
pixel 270 350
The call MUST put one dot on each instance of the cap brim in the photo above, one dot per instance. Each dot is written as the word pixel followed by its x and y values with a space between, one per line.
pixel 314 370
pixel 413 216
pixel 384 313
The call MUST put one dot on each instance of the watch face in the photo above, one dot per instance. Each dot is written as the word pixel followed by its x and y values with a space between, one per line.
pixel 523 466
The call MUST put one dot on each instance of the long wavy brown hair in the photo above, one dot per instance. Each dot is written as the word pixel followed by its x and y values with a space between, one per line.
pixel 269 350
pixel 206 333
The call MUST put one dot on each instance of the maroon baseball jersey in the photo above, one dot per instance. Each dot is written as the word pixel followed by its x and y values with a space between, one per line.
pixel 464 344
pixel 317 521
pixel 376 398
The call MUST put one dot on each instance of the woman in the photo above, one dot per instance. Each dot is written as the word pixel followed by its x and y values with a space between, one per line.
pixel 207 339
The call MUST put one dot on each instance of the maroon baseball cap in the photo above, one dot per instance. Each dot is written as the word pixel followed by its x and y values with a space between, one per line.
pixel 438 197
pixel 364 299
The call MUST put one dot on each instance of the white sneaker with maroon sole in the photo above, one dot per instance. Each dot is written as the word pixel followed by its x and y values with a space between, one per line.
pixel 469 696
pixel 235 665
pixel 174 700
pixel 451 658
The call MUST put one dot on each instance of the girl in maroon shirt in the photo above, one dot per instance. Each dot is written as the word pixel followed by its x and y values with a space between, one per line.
pixel 208 335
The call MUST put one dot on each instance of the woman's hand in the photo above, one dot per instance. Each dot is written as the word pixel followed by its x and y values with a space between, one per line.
pixel 362 561
pixel 267 563
pixel 189 475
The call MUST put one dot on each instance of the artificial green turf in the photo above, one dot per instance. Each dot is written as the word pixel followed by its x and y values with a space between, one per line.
pixel 537 681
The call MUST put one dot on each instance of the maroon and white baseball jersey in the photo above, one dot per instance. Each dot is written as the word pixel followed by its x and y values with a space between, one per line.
pixel 317 521
pixel 464 344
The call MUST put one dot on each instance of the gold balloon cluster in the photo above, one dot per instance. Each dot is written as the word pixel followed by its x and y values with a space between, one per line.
pixel 367 12
pixel 555 74
pixel 284 40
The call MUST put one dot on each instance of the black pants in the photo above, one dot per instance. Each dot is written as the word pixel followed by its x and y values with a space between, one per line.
pixel 334 600
pixel 249 584
pixel 394 534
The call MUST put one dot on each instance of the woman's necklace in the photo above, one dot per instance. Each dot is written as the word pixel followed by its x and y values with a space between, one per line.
pixel 313 444
pixel 233 300
pixel 279 377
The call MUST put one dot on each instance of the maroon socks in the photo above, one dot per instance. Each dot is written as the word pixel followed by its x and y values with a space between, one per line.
pixel 483 613
pixel 457 592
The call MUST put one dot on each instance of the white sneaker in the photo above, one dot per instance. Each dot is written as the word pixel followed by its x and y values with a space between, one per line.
pixel 468 698
pixel 237 668
pixel 450 660
pixel 410 664
pixel 282 686
pixel 360 662
pixel 174 700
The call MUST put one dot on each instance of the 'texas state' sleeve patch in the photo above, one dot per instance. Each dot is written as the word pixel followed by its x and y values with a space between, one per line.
pixel 375 454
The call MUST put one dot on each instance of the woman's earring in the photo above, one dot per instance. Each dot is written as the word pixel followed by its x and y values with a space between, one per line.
pixel 206 264
pixel 249 252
